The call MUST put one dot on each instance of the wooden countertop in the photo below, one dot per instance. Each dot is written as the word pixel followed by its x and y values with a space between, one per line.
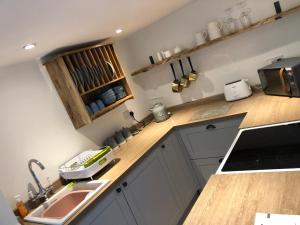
pixel 259 110
pixel 234 199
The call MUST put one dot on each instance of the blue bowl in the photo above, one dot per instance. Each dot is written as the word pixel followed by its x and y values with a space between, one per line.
pixel 100 104
pixel 108 97
pixel 89 110
pixel 94 107
pixel 118 89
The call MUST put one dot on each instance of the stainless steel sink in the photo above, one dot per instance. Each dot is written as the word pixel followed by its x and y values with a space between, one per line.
pixel 66 202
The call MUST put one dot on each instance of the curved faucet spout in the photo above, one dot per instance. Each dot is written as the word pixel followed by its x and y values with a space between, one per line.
pixel 42 191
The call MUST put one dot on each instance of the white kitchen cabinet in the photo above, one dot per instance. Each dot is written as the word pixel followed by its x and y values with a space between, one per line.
pixel 150 194
pixel 179 170
pixel 110 210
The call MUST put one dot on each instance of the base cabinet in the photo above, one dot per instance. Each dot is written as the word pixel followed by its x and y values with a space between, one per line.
pixel 150 194
pixel 155 192
pixel 111 210
pixel 208 143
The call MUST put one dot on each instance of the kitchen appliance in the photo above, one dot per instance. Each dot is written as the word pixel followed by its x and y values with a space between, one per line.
pixel 86 164
pixel 264 148
pixel 281 77
pixel 159 112
pixel 6 214
pixel 237 90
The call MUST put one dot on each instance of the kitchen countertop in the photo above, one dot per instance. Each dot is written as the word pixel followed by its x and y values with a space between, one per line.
pixel 234 199
pixel 259 109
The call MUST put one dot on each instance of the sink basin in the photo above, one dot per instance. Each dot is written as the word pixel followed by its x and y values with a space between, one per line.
pixel 61 206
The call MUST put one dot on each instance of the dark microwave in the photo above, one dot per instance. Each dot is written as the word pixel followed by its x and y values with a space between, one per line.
pixel 281 77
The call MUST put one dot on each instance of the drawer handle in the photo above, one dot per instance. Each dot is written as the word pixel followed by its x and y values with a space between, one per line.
pixel 163 146
pixel 210 127
pixel 125 184
pixel 221 160
pixel 118 190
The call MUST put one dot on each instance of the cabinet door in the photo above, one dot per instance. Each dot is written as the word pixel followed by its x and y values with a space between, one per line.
pixel 206 167
pixel 210 140
pixel 150 194
pixel 110 210
pixel 179 170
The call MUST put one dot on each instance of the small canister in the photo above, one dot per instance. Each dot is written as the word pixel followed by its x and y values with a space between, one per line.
pixel 159 112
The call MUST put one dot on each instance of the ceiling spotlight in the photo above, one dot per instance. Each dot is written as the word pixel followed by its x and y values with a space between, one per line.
pixel 118 31
pixel 29 46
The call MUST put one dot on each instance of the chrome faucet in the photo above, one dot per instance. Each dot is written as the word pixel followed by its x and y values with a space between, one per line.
pixel 43 192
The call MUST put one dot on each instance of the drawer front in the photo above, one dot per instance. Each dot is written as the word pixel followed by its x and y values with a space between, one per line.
pixel 210 140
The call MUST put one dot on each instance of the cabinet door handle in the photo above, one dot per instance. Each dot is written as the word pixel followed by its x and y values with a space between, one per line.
pixel 163 146
pixel 125 184
pixel 221 160
pixel 210 127
pixel 118 190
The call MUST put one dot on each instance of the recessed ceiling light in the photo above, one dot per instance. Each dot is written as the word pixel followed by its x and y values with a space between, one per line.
pixel 118 31
pixel 29 46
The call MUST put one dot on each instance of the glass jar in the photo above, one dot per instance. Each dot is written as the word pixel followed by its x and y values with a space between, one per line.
pixel 245 19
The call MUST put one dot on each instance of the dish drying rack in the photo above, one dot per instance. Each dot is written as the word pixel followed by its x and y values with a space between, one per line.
pixel 86 164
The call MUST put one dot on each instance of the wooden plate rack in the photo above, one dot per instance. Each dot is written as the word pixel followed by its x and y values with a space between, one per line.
pixel 81 75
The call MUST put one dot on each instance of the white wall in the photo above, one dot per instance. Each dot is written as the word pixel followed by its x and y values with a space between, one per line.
pixel 34 124
pixel 227 61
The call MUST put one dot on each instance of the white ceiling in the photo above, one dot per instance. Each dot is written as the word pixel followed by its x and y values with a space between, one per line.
pixel 57 23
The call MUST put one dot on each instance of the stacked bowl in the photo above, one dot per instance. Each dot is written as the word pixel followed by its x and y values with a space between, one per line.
pixel 108 97
pixel 119 92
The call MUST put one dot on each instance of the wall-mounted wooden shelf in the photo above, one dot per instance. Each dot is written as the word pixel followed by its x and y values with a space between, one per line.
pixel 196 48
pixel 82 75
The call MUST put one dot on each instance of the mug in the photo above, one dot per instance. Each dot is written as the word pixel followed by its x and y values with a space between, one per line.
pixel 127 133
pixel 177 49
pixel 214 30
pixel 166 54
pixel 120 138
pixel 201 37
pixel 111 141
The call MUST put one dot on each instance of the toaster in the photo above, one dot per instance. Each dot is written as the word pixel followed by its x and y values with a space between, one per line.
pixel 237 90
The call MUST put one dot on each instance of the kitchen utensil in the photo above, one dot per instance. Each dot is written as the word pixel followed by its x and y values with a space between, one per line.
pixel 89 110
pixel 201 37
pixel 108 97
pixel 193 74
pixel 94 107
pixel 237 90
pixel 177 49
pixel 119 91
pixel 245 18
pixel 111 70
pixel 159 112
pixel 111 141
pixel 100 104
pixel 86 164
pixel 230 25
pixel 127 133
pixel 214 30
pixel 159 56
pixel 176 83
pixel 167 54
pixel 184 80
pixel 120 138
